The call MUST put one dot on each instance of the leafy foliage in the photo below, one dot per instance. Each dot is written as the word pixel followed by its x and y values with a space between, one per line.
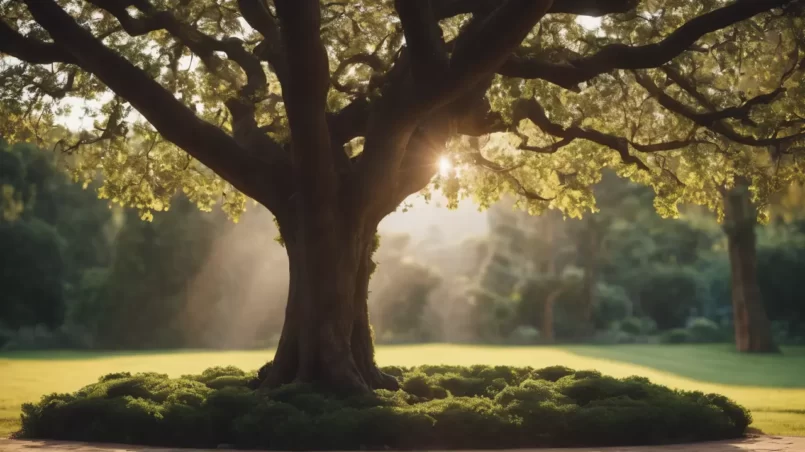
pixel 57 231
pixel 748 74
pixel 444 407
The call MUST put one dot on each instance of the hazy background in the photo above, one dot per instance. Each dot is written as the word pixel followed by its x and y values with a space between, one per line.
pixel 78 274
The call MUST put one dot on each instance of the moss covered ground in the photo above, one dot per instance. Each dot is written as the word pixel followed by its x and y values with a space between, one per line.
pixel 771 387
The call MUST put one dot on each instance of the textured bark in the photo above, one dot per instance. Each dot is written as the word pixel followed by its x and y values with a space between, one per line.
pixel 752 326
pixel 326 338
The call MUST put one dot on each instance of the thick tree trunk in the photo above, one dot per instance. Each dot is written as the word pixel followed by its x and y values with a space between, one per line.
pixel 326 339
pixel 752 326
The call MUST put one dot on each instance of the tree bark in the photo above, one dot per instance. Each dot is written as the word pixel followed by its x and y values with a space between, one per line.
pixel 326 338
pixel 752 326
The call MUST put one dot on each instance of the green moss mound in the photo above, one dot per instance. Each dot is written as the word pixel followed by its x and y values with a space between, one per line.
pixel 439 407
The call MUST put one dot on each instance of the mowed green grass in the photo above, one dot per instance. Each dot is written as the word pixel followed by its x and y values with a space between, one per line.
pixel 773 387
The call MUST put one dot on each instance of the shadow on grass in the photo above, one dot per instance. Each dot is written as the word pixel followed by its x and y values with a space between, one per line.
pixel 713 363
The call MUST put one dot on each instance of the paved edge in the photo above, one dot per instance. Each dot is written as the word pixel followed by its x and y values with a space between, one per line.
pixel 749 444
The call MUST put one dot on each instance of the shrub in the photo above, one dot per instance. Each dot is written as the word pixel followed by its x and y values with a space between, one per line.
pixel 440 407
pixel 704 330
pixel 669 294
pixel 523 335
pixel 553 373
pixel 612 304
pixel 39 337
pixel 613 336
pixel 632 325
pixel 649 326
pixel 676 336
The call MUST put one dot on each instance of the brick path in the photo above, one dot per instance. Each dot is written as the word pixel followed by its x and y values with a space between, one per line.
pixel 752 444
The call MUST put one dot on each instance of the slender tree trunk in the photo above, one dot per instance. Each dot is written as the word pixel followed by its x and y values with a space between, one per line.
pixel 326 338
pixel 590 279
pixel 546 333
pixel 752 326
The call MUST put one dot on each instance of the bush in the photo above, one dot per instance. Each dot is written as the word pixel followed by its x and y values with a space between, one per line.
pixel 613 336
pixel 637 326
pixel 704 330
pixel 676 336
pixel 669 294
pixel 523 335
pixel 632 325
pixel 699 330
pixel 611 306
pixel 40 337
pixel 441 407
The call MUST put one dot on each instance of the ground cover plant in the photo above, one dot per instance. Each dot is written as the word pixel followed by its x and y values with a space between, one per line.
pixel 445 407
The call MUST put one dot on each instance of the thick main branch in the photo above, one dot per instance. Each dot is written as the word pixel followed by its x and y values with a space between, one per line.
pixel 449 8
pixel 31 50
pixel 199 43
pixel 621 56
pixel 174 121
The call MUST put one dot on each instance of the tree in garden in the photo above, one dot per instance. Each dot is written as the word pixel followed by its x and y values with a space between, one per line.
pixel 752 327
pixel 331 114
pixel 400 297
pixel 50 232
pixel 523 275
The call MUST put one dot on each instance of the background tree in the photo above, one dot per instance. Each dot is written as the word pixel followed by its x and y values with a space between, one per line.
pixel 402 294
pixel 344 122
pixel 137 302
pixel 56 230
pixel 752 327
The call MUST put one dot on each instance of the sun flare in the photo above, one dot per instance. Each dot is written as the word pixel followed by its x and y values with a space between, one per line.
pixel 445 166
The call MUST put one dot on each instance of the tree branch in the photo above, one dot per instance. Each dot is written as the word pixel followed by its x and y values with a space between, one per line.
pixel 256 14
pixel 199 43
pixel 549 149
pixel 49 87
pixel 175 122
pixel 31 50
pixel 368 59
pixel 487 43
pixel 449 8
pixel 489 165
pixel 667 146
pixel 349 122
pixel 620 56
pixel 305 94
pixel 714 120
pixel 423 38
pixel 740 112
pixel 676 77
pixel 419 162
pixel 532 110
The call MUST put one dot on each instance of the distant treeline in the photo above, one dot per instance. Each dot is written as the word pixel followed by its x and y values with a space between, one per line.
pixel 77 273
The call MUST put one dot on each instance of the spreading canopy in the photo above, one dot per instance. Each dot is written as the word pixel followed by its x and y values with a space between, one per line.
pixel 228 99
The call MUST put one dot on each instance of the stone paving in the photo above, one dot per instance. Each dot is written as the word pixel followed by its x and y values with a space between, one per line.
pixel 750 444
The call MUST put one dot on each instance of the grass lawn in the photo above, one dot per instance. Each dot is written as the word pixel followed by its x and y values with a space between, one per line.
pixel 773 387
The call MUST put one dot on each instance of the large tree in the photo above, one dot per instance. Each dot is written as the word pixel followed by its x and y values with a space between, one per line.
pixel 330 114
